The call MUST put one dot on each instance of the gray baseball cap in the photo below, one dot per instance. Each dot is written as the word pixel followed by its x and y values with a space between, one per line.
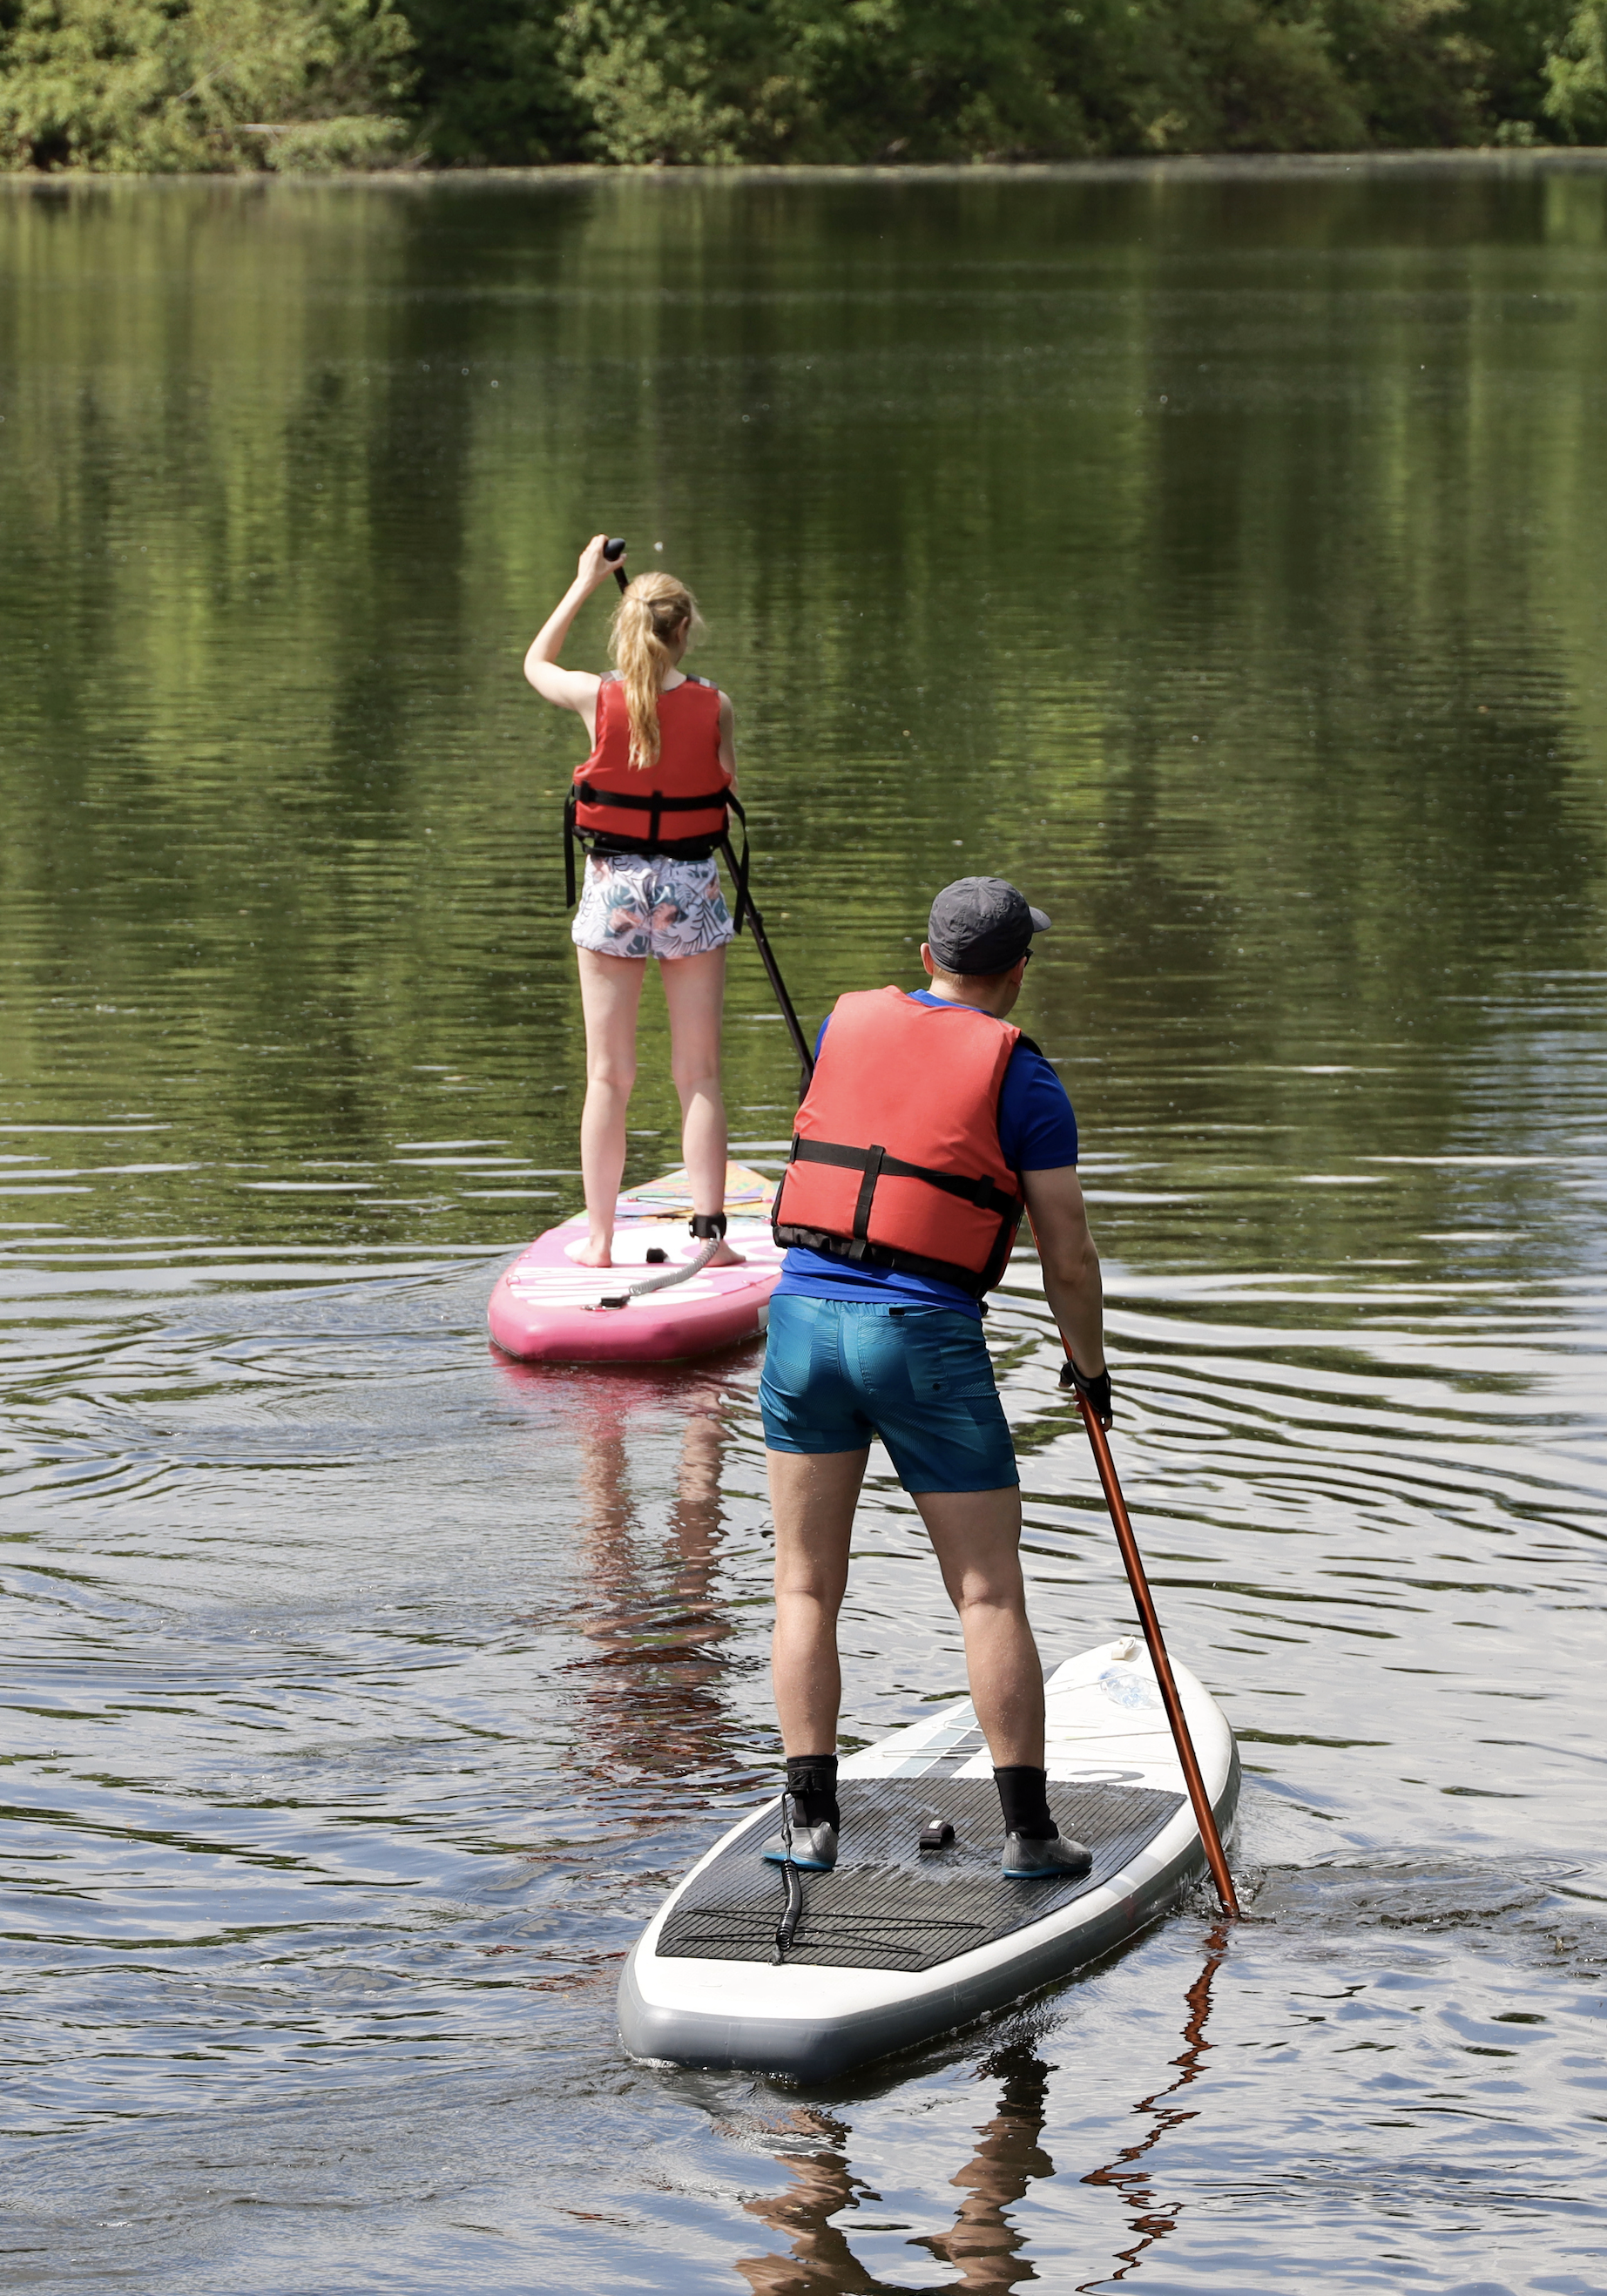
pixel 983 924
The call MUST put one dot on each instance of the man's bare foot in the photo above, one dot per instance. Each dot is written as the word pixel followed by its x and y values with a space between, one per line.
pixel 725 1257
pixel 593 1253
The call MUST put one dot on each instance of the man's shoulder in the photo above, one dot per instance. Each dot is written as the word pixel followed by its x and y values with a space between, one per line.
pixel 1028 1058
pixel 1038 1124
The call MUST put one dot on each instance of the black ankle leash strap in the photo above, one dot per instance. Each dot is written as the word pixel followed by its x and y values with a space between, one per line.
pixel 786 1928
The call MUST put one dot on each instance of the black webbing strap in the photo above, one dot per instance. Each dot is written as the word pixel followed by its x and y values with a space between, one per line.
pixel 873 1162
pixel 654 802
pixel 978 1282
pixel 654 806
pixel 874 1159
pixel 739 868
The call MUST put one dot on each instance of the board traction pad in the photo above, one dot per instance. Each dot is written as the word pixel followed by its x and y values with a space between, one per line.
pixel 889 1907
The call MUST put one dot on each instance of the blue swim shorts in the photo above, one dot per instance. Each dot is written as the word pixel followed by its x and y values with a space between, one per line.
pixel 839 1371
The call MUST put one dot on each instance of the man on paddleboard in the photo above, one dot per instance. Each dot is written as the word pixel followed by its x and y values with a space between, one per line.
pixel 930 1125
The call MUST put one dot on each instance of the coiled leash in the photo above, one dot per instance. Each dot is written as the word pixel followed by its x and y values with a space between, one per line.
pixel 711 1227
pixel 787 1926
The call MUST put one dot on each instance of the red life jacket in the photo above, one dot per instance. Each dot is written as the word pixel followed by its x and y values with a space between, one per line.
pixel 896 1156
pixel 625 809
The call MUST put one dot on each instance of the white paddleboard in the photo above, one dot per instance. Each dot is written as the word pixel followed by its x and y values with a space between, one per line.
pixel 897 1945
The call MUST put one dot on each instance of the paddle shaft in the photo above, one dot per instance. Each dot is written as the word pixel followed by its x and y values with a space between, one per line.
pixel 1205 1816
pixel 613 549
pixel 800 1043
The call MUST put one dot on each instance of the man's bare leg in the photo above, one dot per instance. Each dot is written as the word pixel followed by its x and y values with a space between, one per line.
pixel 813 1496
pixel 977 1537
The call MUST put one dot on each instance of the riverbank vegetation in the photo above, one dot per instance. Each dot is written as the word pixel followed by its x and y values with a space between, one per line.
pixel 246 84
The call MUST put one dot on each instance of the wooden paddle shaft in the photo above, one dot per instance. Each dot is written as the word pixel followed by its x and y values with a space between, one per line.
pixel 1204 1815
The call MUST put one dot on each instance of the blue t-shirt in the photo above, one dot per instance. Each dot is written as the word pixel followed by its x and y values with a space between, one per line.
pixel 1038 1132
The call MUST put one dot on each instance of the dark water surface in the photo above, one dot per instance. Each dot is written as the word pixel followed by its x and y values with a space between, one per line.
pixel 1225 555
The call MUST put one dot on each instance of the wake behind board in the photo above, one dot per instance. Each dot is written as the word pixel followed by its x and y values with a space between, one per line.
pixel 899 1944
pixel 546 1308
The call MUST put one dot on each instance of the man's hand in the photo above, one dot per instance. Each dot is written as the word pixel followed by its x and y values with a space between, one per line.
pixel 1097 1387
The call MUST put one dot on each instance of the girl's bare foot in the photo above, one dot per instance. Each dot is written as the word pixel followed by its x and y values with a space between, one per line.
pixel 593 1253
pixel 725 1257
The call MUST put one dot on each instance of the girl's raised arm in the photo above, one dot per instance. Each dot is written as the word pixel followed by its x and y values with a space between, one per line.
pixel 570 689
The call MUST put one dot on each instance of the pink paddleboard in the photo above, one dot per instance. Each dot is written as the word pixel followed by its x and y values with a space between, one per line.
pixel 547 1309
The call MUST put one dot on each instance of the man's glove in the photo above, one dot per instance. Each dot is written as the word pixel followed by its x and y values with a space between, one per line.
pixel 1097 1390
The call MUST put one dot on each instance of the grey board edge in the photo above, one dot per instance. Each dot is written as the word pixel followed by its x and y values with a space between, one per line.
pixel 819 2052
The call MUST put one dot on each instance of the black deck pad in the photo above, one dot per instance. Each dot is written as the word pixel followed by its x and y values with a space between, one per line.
pixel 887 1905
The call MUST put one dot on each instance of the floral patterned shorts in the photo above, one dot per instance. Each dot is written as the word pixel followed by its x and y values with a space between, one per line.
pixel 644 905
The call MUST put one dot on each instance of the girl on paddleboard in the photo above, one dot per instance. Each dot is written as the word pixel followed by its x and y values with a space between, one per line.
pixel 649 803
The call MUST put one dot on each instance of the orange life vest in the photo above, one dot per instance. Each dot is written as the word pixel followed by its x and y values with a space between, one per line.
pixel 678 807
pixel 896 1157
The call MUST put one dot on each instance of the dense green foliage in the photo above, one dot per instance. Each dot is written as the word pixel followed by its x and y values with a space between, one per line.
pixel 236 84
pixel 206 84
pixel 1578 75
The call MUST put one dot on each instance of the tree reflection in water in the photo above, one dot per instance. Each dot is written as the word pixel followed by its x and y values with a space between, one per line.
pixel 983 2246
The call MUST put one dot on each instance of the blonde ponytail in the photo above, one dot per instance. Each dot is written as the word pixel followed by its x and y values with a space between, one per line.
pixel 645 620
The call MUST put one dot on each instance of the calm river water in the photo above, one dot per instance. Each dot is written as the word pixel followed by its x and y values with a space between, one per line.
pixel 1222 554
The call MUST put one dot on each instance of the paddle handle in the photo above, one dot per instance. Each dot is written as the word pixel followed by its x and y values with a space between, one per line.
pixel 615 548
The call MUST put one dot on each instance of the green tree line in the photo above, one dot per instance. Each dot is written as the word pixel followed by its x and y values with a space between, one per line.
pixel 250 84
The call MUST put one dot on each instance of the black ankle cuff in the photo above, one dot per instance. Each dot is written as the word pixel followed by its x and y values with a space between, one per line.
pixel 812 1782
pixel 1024 1799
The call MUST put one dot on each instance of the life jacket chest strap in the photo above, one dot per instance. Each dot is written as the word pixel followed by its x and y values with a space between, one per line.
pixel 873 1162
pixel 654 803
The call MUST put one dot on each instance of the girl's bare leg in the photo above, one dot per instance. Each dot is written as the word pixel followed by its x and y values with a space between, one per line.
pixel 610 991
pixel 694 990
